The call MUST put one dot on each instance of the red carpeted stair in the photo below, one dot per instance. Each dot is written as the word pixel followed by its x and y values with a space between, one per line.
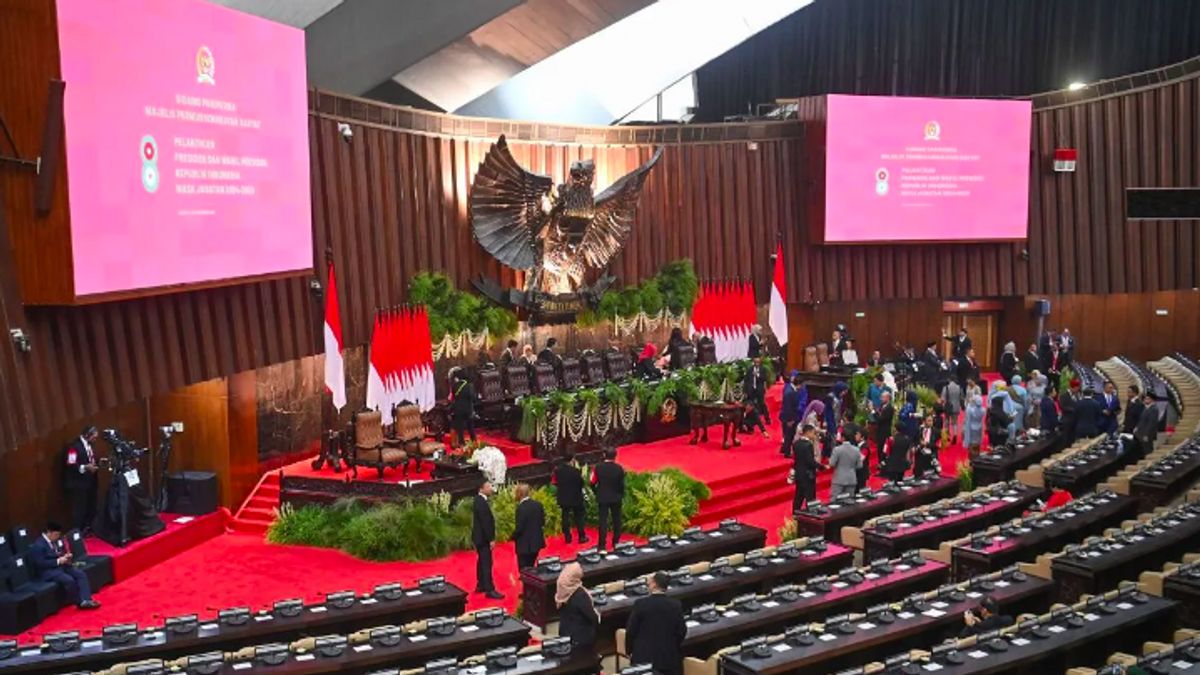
pixel 745 492
pixel 258 512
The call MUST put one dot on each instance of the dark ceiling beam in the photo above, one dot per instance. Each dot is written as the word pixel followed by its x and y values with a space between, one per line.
pixel 358 45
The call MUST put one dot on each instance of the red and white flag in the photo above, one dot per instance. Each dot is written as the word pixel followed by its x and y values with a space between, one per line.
pixel 401 362
pixel 778 314
pixel 335 369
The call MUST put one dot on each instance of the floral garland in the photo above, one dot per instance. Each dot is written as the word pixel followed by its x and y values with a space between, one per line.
pixel 642 322
pixel 454 346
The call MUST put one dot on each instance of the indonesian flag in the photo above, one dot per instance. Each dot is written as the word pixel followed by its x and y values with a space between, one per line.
pixel 376 392
pixel 778 315
pixel 335 370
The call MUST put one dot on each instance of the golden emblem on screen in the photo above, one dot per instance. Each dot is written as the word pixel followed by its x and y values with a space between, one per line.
pixel 933 131
pixel 206 67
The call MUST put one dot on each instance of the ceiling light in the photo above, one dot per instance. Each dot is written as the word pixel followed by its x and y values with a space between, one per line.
pixel 1075 86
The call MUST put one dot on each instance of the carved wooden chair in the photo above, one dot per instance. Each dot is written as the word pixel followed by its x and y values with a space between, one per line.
pixel 545 380
pixel 411 433
pixel 516 381
pixel 823 354
pixel 619 365
pixel 811 363
pixel 706 352
pixel 572 375
pixel 368 446
pixel 593 369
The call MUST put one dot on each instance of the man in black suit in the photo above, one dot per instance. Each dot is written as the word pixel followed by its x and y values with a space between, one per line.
pixel 931 360
pixel 79 478
pixel 967 369
pixel 1068 403
pixel 656 629
pixel 51 562
pixel 804 467
pixel 961 344
pixel 509 354
pixel 462 406
pixel 754 388
pixel 789 412
pixel 755 349
pixel 1146 431
pixel 529 534
pixel 568 484
pixel 884 418
pixel 483 536
pixel 1133 411
pixel 547 355
pixel 1032 360
pixel 608 479
pixel 986 618
pixel 1110 407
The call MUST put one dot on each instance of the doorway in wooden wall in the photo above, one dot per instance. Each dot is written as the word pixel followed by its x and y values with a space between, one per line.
pixel 982 328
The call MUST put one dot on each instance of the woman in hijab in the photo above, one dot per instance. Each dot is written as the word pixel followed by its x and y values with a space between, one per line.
pixel 801 396
pixel 577 616
pixel 973 426
pixel 1036 391
pixel 646 369
pixel 1008 362
pixel 1020 399
pixel 999 419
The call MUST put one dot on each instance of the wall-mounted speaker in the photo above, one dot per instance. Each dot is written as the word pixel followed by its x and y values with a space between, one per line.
pixel 1041 308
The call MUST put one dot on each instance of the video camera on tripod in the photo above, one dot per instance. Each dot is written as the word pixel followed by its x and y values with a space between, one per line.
pixel 123 454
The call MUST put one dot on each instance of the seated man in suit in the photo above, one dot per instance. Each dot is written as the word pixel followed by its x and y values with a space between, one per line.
pixel 50 560
pixel 987 618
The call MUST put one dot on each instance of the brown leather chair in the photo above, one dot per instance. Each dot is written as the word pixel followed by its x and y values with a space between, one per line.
pixel 687 356
pixel 811 363
pixel 489 387
pixel 619 365
pixel 368 446
pixel 410 431
pixel 572 375
pixel 823 354
pixel 706 352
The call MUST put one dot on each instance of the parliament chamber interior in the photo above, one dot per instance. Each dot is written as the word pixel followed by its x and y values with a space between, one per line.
pixel 681 337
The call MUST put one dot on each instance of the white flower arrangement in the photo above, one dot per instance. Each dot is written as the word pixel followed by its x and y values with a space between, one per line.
pixel 492 462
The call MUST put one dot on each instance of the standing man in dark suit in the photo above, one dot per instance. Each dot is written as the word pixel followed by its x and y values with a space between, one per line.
pixel 79 478
pixel 462 407
pixel 961 344
pixel 1032 360
pixel 789 413
pixel 483 537
pixel 609 482
pixel 967 368
pixel 51 562
pixel 1068 402
pixel 1146 431
pixel 547 355
pixel 1110 408
pixel 754 351
pixel 754 388
pixel 529 534
pixel 656 629
pixel 804 467
pixel 1133 411
pixel 568 485
pixel 884 418
pixel 509 354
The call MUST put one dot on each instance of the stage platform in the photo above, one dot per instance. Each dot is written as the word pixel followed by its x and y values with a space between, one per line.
pixel 182 533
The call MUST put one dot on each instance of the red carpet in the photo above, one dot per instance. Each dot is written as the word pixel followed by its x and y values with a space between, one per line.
pixel 749 482
pixel 182 533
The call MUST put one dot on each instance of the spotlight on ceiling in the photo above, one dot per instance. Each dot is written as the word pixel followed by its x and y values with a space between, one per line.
pixel 1076 86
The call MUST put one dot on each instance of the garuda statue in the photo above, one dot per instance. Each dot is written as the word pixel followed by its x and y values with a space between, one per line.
pixel 555 236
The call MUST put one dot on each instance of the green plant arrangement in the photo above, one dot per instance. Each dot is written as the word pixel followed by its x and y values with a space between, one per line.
pixel 1064 379
pixel 672 290
pixel 966 477
pixel 926 397
pixel 452 311
pixel 657 507
pixel 789 530
pixel 533 416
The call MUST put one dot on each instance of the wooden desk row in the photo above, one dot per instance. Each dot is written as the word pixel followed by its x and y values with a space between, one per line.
pixel 237 628
pixel 441 641
pixel 1069 635
pixel 853 639
pixel 1181 656
pixel 1002 464
pixel 720 581
pixel 712 627
pixel 1158 483
pixel 828 520
pixel 1079 468
pixel 1178 581
pixel 1025 538
pixel 928 526
pixel 629 560
pixel 1103 562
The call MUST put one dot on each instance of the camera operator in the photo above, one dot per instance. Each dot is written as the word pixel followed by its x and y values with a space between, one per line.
pixel 80 466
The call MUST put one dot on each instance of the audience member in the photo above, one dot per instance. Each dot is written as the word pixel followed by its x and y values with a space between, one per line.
pixel 961 344
pixel 79 478
pixel 998 419
pixel 850 354
pixel 754 350
pixel 884 419
pixel 1133 411
pixel 1049 414
pixel 51 562
pixel 646 369
pixel 909 422
pixel 789 413
pixel 845 461
pixel 835 408
pixel 528 356
pixel 609 482
pixel 754 390
pixel 973 425
pixel 876 360
pixel 509 354
pixel 1068 403
pixel 925 454
pixel 968 368
pixel 1037 391
pixel 1053 364
pixel 804 467
pixel 1110 408
pixel 529 535
pixel 674 347
pixel 1008 362
pixel 898 457
pixel 483 537
pixel 875 391
pixel 1032 360
pixel 986 618
pixel 1088 415
pixel 548 355
pixel 1146 431
pixel 952 397
pixel 1020 398
pixel 656 629
pixel 577 615
pixel 568 483
pixel 859 436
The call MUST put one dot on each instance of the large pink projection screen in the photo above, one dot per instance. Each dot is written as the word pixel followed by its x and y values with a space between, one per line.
pixel 187 144
pixel 926 170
